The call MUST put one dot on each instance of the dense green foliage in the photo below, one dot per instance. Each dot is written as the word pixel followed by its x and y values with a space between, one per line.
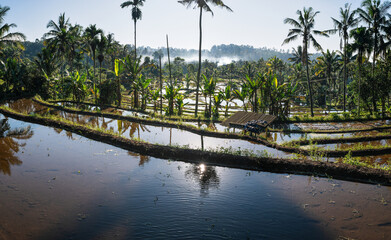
pixel 86 64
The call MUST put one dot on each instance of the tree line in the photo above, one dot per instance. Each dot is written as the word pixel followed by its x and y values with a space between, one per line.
pixel 85 63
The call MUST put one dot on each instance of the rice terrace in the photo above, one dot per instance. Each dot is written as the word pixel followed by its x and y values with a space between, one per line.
pixel 195 119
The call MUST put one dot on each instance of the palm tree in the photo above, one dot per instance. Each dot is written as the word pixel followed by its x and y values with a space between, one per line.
pixel 304 27
pixel 348 20
pixel 375 15
pixel 326 65
pixel 5 36
pixel 74 44
pixel 91 36
pixel 136 15
pixel 102 49
pixel 297 55
pixel 202 5
pixel 362 44
pixel 58 38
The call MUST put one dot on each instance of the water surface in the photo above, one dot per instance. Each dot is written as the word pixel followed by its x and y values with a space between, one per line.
pixel 64 186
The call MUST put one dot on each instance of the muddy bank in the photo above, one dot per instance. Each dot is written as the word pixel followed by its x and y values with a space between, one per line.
pixel 331 120
pixel 341 140
pixel 306 167
pixel 380 128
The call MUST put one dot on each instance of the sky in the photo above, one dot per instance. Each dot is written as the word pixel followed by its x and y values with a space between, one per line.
pixel 258 23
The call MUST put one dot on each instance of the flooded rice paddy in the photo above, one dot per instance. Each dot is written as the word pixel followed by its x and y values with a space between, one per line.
pixel 58 185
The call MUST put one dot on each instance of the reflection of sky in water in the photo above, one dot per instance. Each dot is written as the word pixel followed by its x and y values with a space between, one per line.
pixel 71 187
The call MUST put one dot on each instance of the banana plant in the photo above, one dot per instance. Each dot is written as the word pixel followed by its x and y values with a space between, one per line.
pixel 209 88
pixel 142 85
pixel 279 95
pixel 180 104
pixel 242 95
pixel 227 97
pixel 218 99
pixel 253 84
pixel 118 69
pixel 134 68
pixel 155 94
pixel 171 92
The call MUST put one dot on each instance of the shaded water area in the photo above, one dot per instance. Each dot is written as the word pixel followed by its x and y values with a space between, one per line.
pixel 58 185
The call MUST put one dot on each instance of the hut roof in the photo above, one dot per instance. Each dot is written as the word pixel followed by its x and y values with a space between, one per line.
pixel 239 119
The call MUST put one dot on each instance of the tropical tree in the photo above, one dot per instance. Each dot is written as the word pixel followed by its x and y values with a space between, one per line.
pixel 91 35
pixel 375 13
pixel 242 95
pixel 5 36
pixel 136 15
pixel 58 38
pixel 362 44
pixel 347 21
pixel 209 89
pixel 134 69
pixel 227 96
pixel 203 5
pixel 253 85
pixel 297 55
pixel 46 62
pixel 102 50
pixel 118 68
pixel 326 65
pixel 304 27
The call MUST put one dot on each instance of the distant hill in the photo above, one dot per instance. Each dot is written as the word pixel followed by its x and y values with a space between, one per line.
pixel 32 49
pixel 224 54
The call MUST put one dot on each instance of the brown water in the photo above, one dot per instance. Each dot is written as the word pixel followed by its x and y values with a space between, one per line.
pixel 58 185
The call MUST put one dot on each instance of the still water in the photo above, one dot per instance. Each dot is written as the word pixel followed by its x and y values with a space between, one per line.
pixel 58 185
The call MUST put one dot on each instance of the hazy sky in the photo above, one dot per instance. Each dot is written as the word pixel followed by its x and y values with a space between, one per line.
pixel 254 22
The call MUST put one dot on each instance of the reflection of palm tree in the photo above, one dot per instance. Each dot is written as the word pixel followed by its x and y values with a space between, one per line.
pixel 8 145
pixel 143 159
pixel 26 106
pixel 205 175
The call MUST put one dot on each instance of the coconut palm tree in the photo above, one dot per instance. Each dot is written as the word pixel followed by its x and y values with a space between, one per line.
pixel 304 27
pixel 326 65
pixel 203 5
pixel 102 49
pixel 375 13
pixel 91 36
pixel 362 44
pixel 58 38
pixel 136 15
pixel 347 21
pixel 5 36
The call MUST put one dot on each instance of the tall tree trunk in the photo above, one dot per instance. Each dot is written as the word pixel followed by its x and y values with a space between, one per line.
pixel 93 54
pixel 169 61
pixel 255 101
pixel 199 65
pixel 374 102
pixel 100 73
pixel 305 57
pixel 119 91
pixel 344 75
pixel 135 43
pixel 161 85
